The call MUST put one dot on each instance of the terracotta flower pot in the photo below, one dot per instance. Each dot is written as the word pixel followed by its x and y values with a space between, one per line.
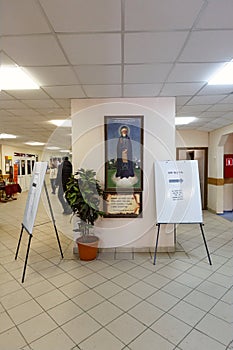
pixel 88 247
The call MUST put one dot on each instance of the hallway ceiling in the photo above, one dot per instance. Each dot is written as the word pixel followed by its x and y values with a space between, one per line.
pixel 114 48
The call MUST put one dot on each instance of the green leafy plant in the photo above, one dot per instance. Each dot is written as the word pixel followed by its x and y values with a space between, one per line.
pixel 83 193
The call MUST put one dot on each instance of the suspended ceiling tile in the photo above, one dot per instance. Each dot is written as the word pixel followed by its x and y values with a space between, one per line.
pixel 48 76
pixel 222 107
pixel 193 72
pixel 176 89
pixel 41 103
pixel 146 73
pixel 209 99
pixel 5 96
pixel 64 103
pixel 12 104
pixel 181 100
pixel 92 48
pixel 228 99
pixel 102 90
pixel 141 90
pixel 53 113
pixel 208 46
pixel 83 15
pixel 216 90
pixel 229 116
pixel 217 14
pixel 24 112
pixel 196 108
pixel 35 50
pixel 153 47
pixel 159 15
pixel 69 91
pixel 99 74
pixel 29 94
pixel 211 114
pixel 22 17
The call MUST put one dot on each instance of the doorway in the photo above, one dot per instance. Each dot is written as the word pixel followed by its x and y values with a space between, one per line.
pixel 201 155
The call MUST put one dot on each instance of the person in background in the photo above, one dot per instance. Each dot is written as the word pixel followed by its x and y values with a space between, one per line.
pixel 53 177
pixel 63 174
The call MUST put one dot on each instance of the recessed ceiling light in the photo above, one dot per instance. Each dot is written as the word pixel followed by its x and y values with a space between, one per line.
pixel 14 78
pixel 184 120
pixel 61 122
pixel 7 136
pixel 65 151
pixel 34 143
pixel 52 147
pixel 224 76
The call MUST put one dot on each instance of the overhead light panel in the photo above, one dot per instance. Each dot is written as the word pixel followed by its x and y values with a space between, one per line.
pixel 34 143
pixel 224 76
pixel 14 78
pixel 7 136
pixel 53 148
pixel 66 123
pixel 184 120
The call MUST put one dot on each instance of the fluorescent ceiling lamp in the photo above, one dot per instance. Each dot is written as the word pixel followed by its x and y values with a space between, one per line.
pixel 7 136
pixel 224 76
pixel 34 143
pixel 14 78
pixel 184 120
pixel 52 148
pixel 65 151
pixel 63 123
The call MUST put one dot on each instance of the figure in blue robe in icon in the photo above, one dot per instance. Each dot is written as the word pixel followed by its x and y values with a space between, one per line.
pixel 124 155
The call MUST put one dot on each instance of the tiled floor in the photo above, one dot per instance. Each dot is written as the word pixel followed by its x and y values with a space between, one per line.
pixel 119 301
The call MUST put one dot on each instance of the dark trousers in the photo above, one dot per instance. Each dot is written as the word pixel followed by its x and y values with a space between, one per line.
pixel 62 199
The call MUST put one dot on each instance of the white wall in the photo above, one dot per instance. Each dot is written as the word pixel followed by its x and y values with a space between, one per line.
pixel 228 188
pixel 159 144
pixel 217 140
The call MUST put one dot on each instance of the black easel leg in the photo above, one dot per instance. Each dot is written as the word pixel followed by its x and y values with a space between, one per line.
pixel 20 237
pixel 53 219
pixel 58 240
pixel 26 259
pixel 203 236
pixel 156 245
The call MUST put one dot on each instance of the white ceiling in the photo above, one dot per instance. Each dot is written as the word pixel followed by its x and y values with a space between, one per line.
pixel 114 48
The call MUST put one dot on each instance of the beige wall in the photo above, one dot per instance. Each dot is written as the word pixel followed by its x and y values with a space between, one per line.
pixel 191 138
pixel 159 143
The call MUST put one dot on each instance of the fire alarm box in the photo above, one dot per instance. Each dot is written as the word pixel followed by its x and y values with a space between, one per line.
pixel 228 165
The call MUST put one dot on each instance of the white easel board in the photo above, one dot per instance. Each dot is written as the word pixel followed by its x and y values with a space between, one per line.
pixel 34 193
pixel 177 192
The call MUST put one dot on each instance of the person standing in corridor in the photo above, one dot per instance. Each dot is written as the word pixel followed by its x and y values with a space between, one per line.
pixel 63 176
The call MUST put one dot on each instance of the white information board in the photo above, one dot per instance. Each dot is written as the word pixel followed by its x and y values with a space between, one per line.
pixel 34 193
pixel 177 192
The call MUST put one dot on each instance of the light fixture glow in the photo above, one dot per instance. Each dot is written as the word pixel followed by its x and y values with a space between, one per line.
pixel 184 120
pixel 14 78
pixel 66 123
pixel 65 151
pixel 52 148
pixel 34 143
pixel 224 76
pixel 7 136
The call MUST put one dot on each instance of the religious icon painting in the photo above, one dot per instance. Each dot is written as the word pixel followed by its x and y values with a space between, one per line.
pixel 123 153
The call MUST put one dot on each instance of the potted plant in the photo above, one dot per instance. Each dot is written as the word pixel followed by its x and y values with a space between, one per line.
pixel 83 193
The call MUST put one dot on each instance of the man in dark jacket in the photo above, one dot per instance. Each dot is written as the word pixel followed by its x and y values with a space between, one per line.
pixel 63 174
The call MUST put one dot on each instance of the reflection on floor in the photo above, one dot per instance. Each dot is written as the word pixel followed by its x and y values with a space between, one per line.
pixel 119 301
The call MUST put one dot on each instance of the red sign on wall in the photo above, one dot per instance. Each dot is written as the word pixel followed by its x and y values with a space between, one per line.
pixel 228 165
